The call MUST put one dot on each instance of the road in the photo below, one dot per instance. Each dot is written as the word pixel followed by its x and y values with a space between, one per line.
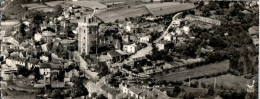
pixel 148 49
pixel 166 31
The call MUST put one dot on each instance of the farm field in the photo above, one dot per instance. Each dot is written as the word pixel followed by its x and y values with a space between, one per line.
pixel 121 14
pixel 38 7
pixel 159 9
pixel 156 5
pixel 89 4
pixel 196 72
pixel 229 80
pixel 33 6
pixel 53 3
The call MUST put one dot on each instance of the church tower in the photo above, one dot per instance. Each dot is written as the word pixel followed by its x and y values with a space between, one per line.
pixel 87 34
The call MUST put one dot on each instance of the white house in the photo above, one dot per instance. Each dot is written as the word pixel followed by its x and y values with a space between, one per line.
pixel 168 37
pixel 186 29
pixel 176 23
pixel 130 48
pixel 160 46
pixel 145 38
pixel 2 34
pixel 178 31
pixel 37 37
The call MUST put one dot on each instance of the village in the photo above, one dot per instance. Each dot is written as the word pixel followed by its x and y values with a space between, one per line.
pixel 140 49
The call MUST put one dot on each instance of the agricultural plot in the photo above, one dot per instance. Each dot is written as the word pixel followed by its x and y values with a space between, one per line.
pixel 53 3
pixel 33 6
pixel 229 80
pixel 196 72
pixel 160 9
pixel 121 14
pixel 88 4
pixel 38 7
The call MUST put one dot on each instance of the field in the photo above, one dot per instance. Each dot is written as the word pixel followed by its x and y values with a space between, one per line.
pixel 121 14
pixel 229 80
pixel 38 7
pixel 196 72
pixel 53 3
pixel 159 9
pixel 89 4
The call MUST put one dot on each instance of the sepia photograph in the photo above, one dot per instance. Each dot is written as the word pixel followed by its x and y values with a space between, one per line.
pixel 129 49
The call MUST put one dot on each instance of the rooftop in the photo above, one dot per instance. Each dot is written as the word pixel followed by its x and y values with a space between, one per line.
pixel 253 30
pixel 135 90
pixel 109 89
pixel 114 53
pixel 45 65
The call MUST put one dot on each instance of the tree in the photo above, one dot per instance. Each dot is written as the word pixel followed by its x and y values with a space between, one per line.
pixel 57 10
pixel 189 96
pixel 175 92
pixel 78 89
pixel 101 97
pixel 205 12
pixel 22 28
pixel 211 91
pixel 56 93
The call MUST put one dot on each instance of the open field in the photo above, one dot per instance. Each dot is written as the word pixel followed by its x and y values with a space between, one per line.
pixel 159 10
pixel 196 72
pixel 33 6
pixel 14 94
pixel 89 4
pixel 38 7
pixel 53 3
pixel 121 14
pixel 229 80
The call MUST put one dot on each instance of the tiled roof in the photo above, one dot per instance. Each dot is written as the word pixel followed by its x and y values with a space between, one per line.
pixel 108 89
pixel 253 30
pixel 45 65
pixel 135 90
pixel 114 53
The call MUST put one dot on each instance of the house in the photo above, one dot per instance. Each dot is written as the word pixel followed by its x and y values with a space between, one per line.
pixel 167 37
pixel 143 92
pixel 45 57
pixel 186 29
pixel 2 33
pixel 254 33
pixel 160 46
pixel 130 90
pixel 37 37
pixel 14 61
pixel 131 48
pixel 10 40
pixel 32 62
pixel 108 91
pixel 72 73
pixel 176 23
pixel 116 67
pixel 46 36
pixel 45 70
pixel 145 38
pixel 116 55
pixel 130 27
pixel 55 71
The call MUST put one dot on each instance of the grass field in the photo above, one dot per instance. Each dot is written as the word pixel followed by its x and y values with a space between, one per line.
pixel 89 4
pixel 159 10
pixel 196 72
pixel 229 80
pixel 121 14
pixel 53 3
